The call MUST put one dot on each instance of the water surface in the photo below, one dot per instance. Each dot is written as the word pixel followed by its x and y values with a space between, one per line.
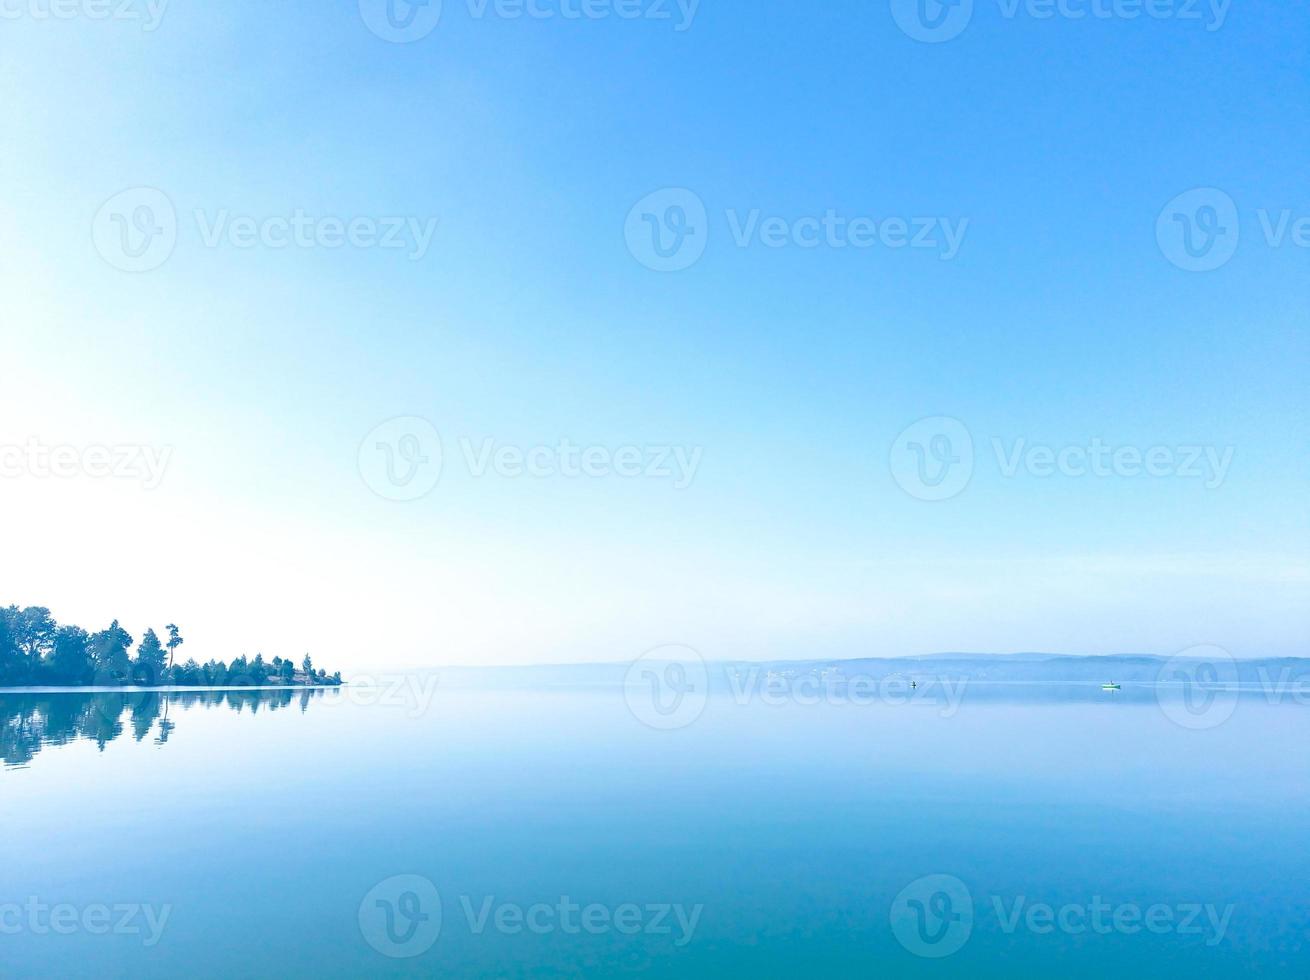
pixel 280 829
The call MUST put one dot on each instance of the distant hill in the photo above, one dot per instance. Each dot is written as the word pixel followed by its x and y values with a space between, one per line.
pixel 998 668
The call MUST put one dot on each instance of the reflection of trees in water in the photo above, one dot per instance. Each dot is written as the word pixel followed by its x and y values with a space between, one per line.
pixel 30 722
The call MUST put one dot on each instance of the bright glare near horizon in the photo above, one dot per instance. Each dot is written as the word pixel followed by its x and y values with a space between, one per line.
pixel 511 333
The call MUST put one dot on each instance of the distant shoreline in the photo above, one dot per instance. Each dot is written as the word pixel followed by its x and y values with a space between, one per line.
pixel 1017 669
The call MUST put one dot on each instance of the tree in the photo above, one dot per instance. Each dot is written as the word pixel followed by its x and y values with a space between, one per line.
pixel 70 662
pixel 149 667
pixel 174 641
pixel 33 631
pixel 11 665
pixel 36 649
pixel 109 654
pixel 238 672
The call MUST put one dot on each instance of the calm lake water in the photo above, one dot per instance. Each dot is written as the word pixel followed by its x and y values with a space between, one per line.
pixel 1023 832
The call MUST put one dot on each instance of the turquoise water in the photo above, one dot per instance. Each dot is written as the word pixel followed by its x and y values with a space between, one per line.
pixel 272 834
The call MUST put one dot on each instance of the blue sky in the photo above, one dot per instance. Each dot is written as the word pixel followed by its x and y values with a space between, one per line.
pixel 1054 143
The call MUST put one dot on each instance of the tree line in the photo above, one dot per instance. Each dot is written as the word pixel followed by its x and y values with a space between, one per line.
pixel 36 650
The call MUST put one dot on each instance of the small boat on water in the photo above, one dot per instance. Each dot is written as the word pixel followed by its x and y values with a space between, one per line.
pixel 1112 686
